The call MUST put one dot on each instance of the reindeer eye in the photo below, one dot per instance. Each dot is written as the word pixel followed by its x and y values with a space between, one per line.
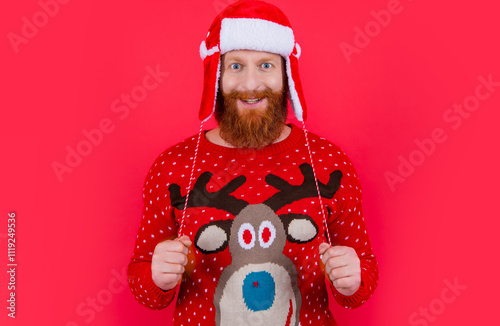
pixel 246 236
pixel 267 234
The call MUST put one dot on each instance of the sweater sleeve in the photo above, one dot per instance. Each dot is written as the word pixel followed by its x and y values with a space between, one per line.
pixel 157 225
pixel 347 227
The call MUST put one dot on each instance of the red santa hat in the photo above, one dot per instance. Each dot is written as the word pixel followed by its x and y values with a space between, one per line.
pixel 250 25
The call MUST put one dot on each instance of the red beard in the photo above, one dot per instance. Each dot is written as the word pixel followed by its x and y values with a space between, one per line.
pixel 252 128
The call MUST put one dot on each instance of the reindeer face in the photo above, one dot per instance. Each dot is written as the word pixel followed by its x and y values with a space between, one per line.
pixel 258 229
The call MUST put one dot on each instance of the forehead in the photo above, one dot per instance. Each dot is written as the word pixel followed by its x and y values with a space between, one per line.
pixel 250 55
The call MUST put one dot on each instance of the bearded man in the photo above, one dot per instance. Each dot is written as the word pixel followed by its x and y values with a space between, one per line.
pixel 252 221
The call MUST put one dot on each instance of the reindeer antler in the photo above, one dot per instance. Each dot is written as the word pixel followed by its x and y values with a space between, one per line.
pixel 200 197
pixel 289 193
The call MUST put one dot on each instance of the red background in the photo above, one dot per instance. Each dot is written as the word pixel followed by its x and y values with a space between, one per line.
pixel 75 236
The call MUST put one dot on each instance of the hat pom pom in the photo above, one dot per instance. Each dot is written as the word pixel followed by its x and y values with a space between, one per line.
pixel 203 50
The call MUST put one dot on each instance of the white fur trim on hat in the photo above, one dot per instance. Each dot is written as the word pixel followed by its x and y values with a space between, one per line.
pixel 294 96
pixel 204 52
pixel 216 87
pixel 255 34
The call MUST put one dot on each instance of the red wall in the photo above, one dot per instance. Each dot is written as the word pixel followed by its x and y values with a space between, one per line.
pixel 428 167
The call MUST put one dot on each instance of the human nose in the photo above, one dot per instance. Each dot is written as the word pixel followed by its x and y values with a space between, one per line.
pixel 251 80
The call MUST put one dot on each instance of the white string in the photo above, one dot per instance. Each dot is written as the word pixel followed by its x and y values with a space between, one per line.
pixel 317 186
pixel 179 233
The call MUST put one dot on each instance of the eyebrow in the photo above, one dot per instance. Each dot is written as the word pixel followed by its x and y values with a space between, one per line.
pixel 269 59
pixel 237 58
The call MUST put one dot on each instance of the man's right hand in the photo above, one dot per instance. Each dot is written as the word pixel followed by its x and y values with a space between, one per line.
pixel 168 262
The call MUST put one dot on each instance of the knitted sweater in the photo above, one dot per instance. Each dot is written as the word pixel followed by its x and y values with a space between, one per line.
pixel 256 224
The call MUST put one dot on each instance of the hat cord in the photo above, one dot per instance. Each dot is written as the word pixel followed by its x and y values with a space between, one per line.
pixel 317 186
pixel 181 226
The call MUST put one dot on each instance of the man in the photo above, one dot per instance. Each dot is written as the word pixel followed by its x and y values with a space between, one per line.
pixel 246 219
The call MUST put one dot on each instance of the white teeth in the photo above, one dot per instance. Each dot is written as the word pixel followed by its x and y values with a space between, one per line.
pixel 252 101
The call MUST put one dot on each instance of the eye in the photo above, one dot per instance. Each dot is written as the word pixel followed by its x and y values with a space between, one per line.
pixel 266 65
pixel 246 236
pixel 267 234
pixel 235 66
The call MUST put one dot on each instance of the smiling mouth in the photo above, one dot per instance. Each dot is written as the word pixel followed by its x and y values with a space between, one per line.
pixel 252 101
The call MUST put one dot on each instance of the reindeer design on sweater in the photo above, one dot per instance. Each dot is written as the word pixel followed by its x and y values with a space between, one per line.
pixel 260 284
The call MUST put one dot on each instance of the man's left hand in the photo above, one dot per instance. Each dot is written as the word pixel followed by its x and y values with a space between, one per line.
pixel 342 266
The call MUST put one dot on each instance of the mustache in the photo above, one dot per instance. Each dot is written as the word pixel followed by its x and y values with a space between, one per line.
pixel 246 95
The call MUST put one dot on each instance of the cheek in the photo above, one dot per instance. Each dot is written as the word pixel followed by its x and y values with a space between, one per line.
pixel 275 82
pixel 228 84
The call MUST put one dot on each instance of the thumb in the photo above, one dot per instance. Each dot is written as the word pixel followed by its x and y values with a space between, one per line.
pixel 323 248
pixel 185 241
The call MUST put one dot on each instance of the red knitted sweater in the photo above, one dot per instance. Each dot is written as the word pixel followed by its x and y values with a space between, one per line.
pixel 256 224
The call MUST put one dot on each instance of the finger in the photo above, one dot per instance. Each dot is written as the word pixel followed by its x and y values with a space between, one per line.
pixel 344 282
pixel 185 241
pixel 168 268
pixel 340 272
pixel 336 262
pixel 323 248
pixel 174 258
pixel 162 256
pixel 171 246
pixel 335 253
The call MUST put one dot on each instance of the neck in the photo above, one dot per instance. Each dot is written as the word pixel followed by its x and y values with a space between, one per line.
pixel 214 137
